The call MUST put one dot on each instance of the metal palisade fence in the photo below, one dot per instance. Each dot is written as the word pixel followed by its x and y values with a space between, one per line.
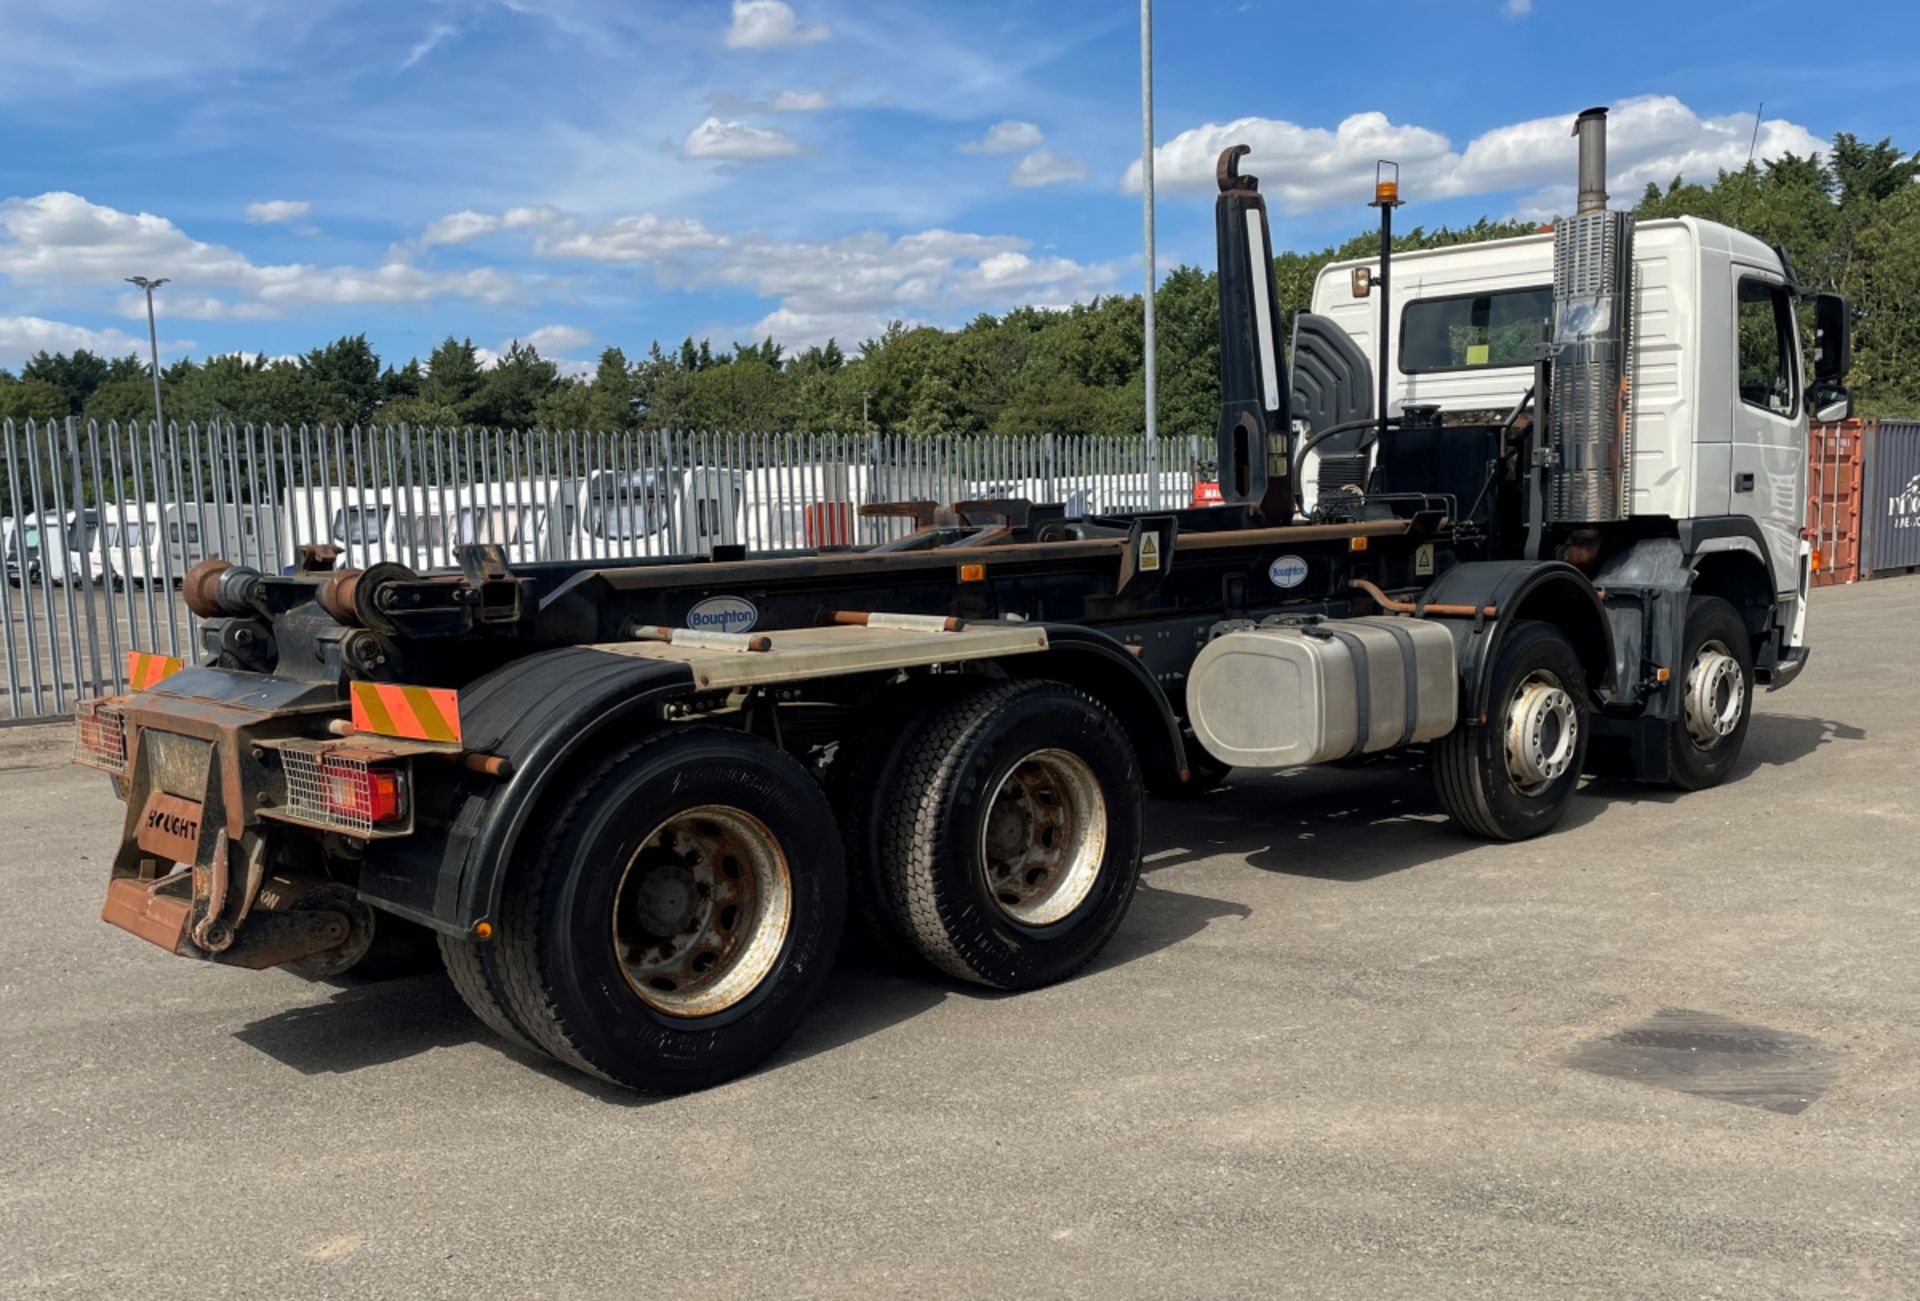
pixel 102 522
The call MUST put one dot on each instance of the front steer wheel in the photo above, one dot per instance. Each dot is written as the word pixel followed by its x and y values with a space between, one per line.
pixel 676 918
pixel 1011 833
pixel 1513 776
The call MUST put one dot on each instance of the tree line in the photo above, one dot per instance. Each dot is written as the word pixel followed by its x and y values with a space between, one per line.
pixel 1848 219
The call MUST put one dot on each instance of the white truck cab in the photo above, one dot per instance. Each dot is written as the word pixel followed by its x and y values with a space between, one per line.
pixel 1718 401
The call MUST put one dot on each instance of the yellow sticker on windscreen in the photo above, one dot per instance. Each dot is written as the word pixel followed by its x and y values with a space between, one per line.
pixel 1476 354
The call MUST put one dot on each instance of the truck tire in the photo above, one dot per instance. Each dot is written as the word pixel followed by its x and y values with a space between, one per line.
pixel 865 767
pixel 473 967
pixel 1011 837
pixel 1716 685
pixel 1514 775
pixel 680 914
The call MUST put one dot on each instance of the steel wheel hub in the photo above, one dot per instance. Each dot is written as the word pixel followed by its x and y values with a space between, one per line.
pixel 1044 837
pixel 1716 695
pixel 702 911
pixel 1543 728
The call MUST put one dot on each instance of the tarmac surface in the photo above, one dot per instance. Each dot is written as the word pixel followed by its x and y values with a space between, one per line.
pixel 1337 1049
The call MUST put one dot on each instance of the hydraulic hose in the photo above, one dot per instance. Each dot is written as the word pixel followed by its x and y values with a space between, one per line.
pixel 1370 424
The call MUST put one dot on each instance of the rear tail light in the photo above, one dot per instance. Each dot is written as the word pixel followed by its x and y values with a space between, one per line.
pixel 102 736
pixel 356 792
pixel 342 793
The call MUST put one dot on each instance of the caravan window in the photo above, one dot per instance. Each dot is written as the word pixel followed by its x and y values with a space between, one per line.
pixel 193 532
pixel 1473 331
pixel 360 524
pixel 424 532
pixel 505 525
pixel 624 511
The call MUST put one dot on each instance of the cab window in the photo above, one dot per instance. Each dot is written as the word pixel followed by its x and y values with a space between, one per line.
pixel 1473 331
pixel 1765 339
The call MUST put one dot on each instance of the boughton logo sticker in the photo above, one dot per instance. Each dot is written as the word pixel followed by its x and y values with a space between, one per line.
pixel 1287 571
pixel 723 614
pixel 172 824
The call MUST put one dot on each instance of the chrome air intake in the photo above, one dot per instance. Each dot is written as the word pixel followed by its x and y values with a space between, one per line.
pixel 1589 427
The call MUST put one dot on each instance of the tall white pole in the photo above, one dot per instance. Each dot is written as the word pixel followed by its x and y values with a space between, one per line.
pixel 1146 222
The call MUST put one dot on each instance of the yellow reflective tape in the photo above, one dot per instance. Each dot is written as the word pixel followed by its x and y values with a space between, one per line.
pixel 436 723
pixel 369 711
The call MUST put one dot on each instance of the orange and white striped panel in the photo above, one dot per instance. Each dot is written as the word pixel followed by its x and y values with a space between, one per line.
pixel 145 669
pixel 414 713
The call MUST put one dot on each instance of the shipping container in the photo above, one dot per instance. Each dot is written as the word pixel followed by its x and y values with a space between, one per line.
pixel 1834 479
pixel 1890 520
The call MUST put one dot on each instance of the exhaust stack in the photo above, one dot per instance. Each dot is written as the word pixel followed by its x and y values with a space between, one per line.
pixel 1591 129
pixel 1588 421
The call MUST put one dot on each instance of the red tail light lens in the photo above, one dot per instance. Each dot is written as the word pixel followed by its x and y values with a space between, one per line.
pixel 359 794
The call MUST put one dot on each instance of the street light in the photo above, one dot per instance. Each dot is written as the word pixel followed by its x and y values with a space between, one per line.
pixel 153 341
pixel 1146 218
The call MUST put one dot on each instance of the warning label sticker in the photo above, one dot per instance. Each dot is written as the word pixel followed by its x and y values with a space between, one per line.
pixel 1149 551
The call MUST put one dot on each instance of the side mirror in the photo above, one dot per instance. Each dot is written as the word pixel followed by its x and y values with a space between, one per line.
pixel 1832 340
pixel 1832 402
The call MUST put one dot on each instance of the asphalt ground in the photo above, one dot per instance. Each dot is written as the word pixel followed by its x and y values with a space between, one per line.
pixel 1335 1050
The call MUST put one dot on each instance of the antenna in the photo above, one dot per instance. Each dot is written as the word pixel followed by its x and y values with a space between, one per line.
pixel 1740 210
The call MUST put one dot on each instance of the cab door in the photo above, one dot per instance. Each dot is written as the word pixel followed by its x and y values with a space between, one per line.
pixel 1769 452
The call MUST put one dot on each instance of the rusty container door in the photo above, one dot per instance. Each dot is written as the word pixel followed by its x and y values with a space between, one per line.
pixel 1834 479
pixel 1890 515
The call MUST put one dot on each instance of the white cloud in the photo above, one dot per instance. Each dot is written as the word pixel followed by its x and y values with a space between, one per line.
pixel 194 307
pixel 1044 167
pixel 1517 8
pixel 59 238
pixel 553 340
pixel 854 286
pixel 22 336
pixel 459 227
pixel 737 142
pixel 1650 138
pixel 268 210
pixel 1007 137
pixel 800 101
pixel 764 24
pixel 436 36
pixel 643 238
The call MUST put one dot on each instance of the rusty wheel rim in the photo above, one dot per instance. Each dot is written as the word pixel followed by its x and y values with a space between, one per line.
pixel 1044 837
pixel 702 911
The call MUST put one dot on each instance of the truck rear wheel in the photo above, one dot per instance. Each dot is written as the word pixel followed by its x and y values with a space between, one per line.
pixel 1716 695
pixel 1011 833
pixel 680 915
pixel 1513 776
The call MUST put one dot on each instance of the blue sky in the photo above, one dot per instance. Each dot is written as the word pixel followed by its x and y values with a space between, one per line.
pixel 582 174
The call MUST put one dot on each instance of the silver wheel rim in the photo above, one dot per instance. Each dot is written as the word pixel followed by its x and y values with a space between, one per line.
pixel 1716 695
pixel 702 910
pixel 1044 837
pixel 1543 729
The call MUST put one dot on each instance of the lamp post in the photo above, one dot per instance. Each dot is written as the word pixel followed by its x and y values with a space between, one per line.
pixel 153 342
pixel 1146 221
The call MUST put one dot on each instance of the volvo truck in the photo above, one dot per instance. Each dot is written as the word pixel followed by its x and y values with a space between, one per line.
pixel 1514 504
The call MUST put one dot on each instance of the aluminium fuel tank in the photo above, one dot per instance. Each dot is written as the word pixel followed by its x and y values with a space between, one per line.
pixel 1285 695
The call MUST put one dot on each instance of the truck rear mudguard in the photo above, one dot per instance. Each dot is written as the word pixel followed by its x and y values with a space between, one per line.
pixel 550 714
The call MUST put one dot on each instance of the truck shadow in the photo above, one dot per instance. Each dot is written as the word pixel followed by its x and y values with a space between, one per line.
pixel 362 1025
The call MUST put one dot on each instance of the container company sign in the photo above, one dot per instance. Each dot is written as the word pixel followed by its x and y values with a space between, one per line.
pixel 723 614
pixel 1903 510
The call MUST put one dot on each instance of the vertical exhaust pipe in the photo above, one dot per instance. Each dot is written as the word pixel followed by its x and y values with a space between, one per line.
pixel 1590 128
pixel 1588 417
